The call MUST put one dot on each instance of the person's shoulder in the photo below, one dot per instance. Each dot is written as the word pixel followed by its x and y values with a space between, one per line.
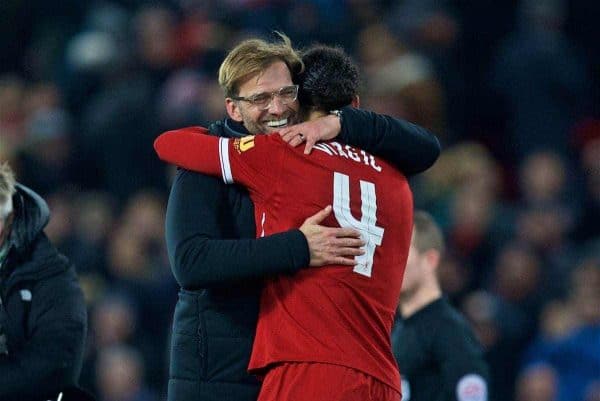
pixel 227 128
pixel 445 314
pixel 437 315
pixel 451 326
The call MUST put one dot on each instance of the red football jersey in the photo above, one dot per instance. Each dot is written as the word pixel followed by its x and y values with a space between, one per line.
pixel 334 314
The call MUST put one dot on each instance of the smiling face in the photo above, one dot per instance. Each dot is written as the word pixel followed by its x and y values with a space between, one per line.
pixel 277 115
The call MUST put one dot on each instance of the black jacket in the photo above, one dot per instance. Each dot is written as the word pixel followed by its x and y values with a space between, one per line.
pixel 438 355
pixel 42 312
pixel 219 264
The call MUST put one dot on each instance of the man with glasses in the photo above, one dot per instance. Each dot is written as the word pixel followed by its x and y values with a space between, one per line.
pixel 42 310
pixel 210 227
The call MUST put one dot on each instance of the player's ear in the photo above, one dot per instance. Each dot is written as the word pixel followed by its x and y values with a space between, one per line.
pixel 355 102
pixel 432 256
pixel 233 109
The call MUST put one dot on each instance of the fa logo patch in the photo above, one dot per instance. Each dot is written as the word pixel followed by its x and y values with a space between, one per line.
pixel 244 144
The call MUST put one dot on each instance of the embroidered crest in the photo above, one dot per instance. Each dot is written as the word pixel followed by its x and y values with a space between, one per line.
pixel 243 144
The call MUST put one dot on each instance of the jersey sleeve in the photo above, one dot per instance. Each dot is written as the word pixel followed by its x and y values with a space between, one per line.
pixel 251 161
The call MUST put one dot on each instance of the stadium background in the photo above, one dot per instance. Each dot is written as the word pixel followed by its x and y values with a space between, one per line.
pixel 510 87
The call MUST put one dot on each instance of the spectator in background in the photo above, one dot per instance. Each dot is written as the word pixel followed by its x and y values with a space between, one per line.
pixel 572 348
pixel 120 372
pixel 588 136
pixel 537 383
pixel 42 310
pixel 138 266
pixel 12 111
pixel 542 78
pixel 463 192
pixel 401 82
pixel 437 352
pixel 434 29
pixel 544 218
pixel 115 325
pixel 122 112
pixel 44 160
pixel 518 280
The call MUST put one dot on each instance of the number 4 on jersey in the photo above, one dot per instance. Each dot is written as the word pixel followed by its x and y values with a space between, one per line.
pixel 367 225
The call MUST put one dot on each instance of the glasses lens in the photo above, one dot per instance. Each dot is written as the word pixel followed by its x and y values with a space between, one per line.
pixel 288 93
pixel 261 100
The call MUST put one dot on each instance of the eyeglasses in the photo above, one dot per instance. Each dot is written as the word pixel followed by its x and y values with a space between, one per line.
pixel 286 95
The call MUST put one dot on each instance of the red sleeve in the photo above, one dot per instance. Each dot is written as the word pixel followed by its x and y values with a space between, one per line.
pixel 253 161
pixel 190 148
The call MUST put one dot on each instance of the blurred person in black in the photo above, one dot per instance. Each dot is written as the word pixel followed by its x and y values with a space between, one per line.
pixel 437 353
pixel 42 310
pixel 210 228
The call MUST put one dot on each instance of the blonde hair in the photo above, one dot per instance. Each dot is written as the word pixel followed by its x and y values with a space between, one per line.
pixel 253 56
pixel 7 184
pixel 427 233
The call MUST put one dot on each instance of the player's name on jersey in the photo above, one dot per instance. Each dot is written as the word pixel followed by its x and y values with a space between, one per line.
pixel 347 151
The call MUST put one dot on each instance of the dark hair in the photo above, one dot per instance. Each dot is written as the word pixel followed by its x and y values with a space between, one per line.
pixel 330 78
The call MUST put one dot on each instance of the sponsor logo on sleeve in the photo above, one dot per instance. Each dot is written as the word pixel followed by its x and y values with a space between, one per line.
pixel 471 387
pixel 243 144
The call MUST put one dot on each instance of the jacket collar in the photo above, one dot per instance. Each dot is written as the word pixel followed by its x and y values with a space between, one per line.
pixel 31 216
pixel 228 128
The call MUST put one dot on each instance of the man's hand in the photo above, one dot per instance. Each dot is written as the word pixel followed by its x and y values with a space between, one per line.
pixel 331 245
pixel 320 129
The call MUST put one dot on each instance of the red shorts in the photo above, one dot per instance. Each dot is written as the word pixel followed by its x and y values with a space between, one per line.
pixel 322 382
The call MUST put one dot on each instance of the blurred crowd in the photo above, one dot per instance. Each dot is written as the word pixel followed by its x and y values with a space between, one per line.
pixel 510 87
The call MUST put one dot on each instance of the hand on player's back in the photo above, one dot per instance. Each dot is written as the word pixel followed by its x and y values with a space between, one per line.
pixel 331 245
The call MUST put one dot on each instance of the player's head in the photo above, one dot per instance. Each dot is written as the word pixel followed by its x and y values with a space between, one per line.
pixel 426 249
pixel 257 78
pixel 7 190
pixel 330 79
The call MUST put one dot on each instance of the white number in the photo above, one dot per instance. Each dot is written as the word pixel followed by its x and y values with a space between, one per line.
pixel 367 225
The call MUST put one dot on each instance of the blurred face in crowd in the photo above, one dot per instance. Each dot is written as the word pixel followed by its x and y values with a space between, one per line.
pixel 119 373
pixel 538 383
pixel 277 112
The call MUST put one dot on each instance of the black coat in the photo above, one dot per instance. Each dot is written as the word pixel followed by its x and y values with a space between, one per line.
pixel 219 264
pixel 439 356
pixel 42 312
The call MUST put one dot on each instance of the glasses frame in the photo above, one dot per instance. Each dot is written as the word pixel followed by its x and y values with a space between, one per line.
pixel 252 98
